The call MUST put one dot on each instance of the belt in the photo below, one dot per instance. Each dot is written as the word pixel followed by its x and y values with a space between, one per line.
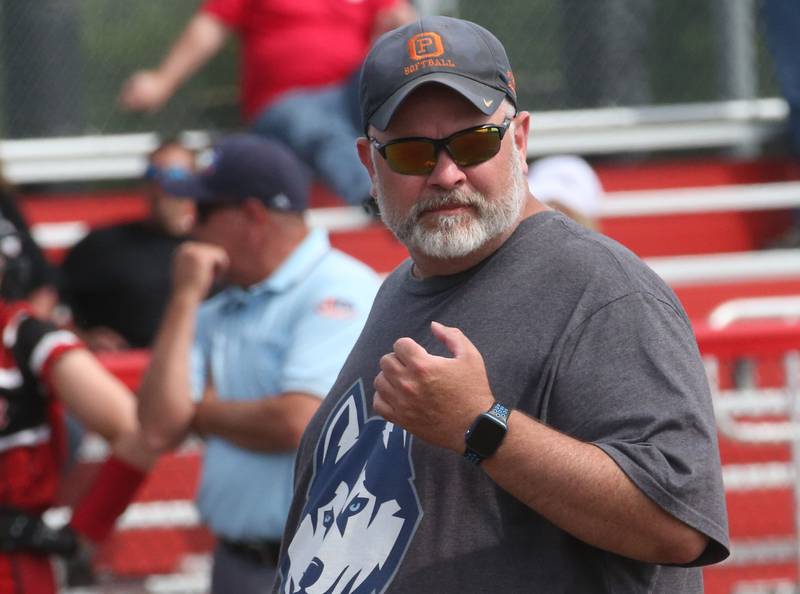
pixel 260 552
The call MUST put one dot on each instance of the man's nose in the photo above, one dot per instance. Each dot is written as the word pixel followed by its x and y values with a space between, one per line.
pixel 446 174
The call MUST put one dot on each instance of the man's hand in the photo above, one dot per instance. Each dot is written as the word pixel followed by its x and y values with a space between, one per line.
pixel 195 267
pixel 435 398
pixel 149 90
pixel 146 90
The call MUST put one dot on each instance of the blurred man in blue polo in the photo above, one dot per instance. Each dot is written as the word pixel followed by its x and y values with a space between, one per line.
pixel 246 369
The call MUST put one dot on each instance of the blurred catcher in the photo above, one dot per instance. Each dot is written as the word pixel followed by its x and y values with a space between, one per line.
pixel 36 278
pixel 42 369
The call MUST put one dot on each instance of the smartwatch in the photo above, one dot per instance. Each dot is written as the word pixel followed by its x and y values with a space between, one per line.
pixel 486 433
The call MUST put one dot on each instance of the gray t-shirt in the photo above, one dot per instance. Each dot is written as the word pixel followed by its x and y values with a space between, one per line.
pixel 575 331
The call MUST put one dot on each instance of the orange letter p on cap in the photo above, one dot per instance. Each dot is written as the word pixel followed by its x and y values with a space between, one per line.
pixel 425 45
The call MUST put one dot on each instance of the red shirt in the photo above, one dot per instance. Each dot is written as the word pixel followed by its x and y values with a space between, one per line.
pixel 31 421
pixel 294 44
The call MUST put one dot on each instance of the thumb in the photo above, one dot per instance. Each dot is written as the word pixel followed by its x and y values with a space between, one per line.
pixel 452 338
pixel 221 264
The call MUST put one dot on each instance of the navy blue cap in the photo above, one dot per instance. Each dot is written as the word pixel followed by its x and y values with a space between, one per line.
pixel 247 166
pixel 457 53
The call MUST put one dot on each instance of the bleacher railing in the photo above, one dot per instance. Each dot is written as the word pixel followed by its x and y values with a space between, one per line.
pixel 740 125
pixel 752 353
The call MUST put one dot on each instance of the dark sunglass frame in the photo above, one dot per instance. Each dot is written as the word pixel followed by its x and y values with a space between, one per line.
pixel 442 143
pixel 204 210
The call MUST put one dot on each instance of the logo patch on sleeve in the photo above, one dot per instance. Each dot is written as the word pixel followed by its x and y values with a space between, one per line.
pixel 335 308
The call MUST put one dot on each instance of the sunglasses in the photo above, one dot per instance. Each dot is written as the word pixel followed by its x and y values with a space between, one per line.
pixel 158 174
pixel 204 210
pixel 417 155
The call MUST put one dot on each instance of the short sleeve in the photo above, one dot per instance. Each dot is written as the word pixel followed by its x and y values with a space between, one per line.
pixel 323 338
pixel 379 5
pixel 37 344
pixel 232 13
pixel 631 381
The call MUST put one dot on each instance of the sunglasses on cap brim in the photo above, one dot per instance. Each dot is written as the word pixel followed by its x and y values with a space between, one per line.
pixel 159 174
pixel 417 155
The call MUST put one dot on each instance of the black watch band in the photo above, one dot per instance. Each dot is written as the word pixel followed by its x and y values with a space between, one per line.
pixel 486 433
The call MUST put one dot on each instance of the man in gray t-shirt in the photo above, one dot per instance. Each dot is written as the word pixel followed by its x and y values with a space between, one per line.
pixel 526 409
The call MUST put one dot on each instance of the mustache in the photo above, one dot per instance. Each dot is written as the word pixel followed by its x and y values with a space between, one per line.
pixel 455 197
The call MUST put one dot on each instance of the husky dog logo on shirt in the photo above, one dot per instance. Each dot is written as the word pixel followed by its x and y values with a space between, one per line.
pixel 361 510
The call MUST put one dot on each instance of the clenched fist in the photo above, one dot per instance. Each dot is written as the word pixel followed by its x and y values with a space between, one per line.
pixel 435 398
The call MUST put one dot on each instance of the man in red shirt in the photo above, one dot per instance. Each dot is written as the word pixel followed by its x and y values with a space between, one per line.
pixel 299 69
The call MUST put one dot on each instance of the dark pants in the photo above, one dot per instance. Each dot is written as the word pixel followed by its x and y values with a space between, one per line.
pixel 241 573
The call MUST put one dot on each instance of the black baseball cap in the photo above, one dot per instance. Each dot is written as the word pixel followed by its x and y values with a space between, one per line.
pixel 247 166
pixel 457 53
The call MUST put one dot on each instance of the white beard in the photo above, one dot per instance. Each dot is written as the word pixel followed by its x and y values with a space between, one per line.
pixel 457 235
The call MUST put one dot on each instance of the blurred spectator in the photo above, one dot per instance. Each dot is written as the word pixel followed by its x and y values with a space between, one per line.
pixel 42 368
pixel 34 279
pixel 263 351
pixel 781 19
pixel 116 280
pixel 299 74
pixel 568 184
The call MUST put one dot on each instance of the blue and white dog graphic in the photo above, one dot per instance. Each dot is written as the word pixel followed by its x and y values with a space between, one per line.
pixel 361 510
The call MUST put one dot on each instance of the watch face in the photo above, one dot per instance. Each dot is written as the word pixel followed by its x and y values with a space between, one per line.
pixel 485 435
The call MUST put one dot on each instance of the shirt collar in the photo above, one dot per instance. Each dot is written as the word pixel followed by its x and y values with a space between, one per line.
pixel 293 269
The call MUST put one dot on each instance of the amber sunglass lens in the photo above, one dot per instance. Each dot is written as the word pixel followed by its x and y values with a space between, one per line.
pixel 411 157
pixel 475 147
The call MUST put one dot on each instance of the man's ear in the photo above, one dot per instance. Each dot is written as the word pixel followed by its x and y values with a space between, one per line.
pixel 254 209
pixel 364 148
pixel 521 130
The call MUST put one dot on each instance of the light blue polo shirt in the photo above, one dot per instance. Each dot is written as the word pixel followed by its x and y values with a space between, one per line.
pixel 289 333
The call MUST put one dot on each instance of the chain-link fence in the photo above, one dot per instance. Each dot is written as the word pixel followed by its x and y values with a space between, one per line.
pixel 582 53
pixel 63 61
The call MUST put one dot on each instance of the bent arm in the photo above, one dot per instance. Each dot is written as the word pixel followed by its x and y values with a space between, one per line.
pixel 165 395
pixel 202 38
pixel 104 405
pixel 579 488
pixel 165 404
pixel 273 424
pixel 101 403
pixel 568 480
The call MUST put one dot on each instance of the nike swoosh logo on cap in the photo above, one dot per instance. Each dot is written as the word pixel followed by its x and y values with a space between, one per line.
pixel 488 102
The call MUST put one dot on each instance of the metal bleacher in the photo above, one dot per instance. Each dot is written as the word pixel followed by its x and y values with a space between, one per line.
pixel 740 125
pixel 732 128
